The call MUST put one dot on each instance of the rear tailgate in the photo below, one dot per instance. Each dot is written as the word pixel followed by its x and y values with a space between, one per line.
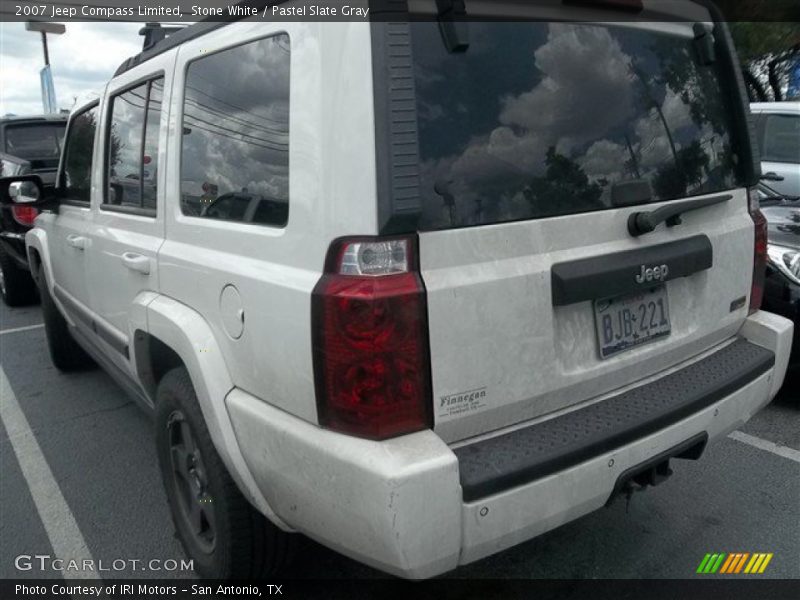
pixel 536 148
pixel 502 353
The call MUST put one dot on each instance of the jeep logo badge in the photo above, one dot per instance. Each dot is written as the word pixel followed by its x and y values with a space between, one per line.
pixel 652 273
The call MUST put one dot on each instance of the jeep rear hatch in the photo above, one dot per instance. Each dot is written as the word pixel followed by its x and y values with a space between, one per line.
pixel 537 146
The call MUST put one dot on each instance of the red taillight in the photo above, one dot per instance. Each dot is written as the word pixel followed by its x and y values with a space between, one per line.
pixel 759 251
pixel 370 340
pixel 24 215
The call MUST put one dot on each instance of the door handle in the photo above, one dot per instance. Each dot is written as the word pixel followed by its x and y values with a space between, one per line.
pixel 77 241
pixel 136 262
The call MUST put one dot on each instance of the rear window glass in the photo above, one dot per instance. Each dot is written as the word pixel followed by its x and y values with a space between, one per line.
pixel 547 119
pixel 35 141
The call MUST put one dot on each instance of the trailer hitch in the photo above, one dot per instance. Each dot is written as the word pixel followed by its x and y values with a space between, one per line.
pixel 656 470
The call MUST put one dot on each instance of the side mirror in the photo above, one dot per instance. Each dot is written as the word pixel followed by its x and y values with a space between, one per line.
pixel 23 192
pixel 772 176
pixel 28 190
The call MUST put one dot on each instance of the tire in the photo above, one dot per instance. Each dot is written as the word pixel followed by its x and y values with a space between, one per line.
pixel 17 287
pixel 65 352
pixel 224 536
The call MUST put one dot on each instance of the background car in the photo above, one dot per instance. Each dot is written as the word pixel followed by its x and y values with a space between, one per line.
pixel 782 285
pixel 28 145
pixel 778 130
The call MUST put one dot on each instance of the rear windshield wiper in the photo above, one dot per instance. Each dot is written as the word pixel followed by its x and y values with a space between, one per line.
pixel 644 222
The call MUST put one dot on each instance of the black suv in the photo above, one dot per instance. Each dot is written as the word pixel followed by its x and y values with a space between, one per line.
pixel 28 145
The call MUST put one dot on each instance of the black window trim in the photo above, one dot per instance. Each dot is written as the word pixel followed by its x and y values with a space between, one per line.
pixel 62 167
pixel 105 206
pixel 189 63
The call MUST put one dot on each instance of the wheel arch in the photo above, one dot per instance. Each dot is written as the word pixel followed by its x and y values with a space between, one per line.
pixel 173 335
pixel 39 255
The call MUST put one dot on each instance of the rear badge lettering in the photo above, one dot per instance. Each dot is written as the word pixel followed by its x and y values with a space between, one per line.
pixel 462 402
pixel 652 274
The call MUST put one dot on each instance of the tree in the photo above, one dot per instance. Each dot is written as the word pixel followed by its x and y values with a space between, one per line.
pixel 768 51
pixel 672 180
pixel 563 182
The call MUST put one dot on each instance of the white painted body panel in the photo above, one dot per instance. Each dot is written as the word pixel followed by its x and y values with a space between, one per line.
pixel 36 243
pixel 68 263
pixel 332 171
pixel 394 505
pixel 493 325
pixel 114 234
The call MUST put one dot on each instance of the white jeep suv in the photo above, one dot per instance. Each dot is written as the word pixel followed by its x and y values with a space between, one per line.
pixel 418 291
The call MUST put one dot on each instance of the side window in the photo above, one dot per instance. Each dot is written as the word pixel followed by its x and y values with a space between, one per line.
pixel 132 147
pixel 781 138
pixel 235 151
pixel 76 178
pixel 758 118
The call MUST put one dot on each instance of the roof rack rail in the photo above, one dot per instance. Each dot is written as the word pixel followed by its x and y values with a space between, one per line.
pixel 154 33
pixel 159 45
pixel 175 39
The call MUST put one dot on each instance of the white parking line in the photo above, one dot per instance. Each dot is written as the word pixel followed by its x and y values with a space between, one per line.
pixel 756 442
pixel 59 523
pixel 18 329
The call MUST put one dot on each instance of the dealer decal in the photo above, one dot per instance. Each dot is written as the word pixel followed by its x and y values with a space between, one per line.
pixel 461 403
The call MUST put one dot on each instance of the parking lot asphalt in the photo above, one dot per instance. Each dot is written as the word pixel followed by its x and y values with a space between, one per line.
pixel 742 496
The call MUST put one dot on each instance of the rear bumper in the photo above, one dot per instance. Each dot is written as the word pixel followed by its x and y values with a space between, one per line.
pixel 522 513
pixel 399 505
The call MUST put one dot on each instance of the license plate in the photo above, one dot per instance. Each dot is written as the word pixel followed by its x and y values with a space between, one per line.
pixel 628 321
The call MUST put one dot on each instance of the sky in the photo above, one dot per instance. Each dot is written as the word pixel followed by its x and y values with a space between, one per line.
pixel 82 59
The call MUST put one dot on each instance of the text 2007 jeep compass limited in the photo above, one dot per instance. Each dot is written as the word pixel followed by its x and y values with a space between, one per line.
pixel 420 291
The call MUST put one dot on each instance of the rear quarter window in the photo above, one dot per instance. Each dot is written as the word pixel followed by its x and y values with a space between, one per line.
pixel 545 119
pixel 235 149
